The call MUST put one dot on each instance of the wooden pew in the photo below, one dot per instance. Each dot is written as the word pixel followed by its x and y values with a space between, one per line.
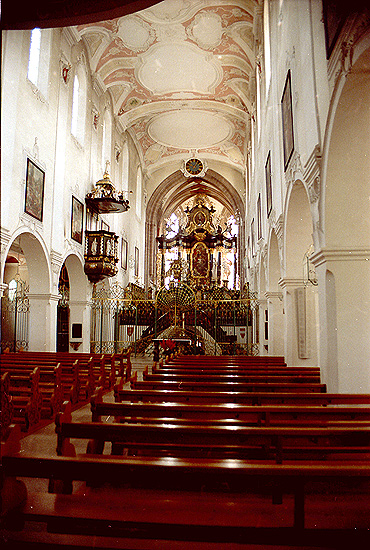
pixel 50 384
pixel 121 367
pixel 26 398
pixel 26 361
pixel 79 380
pixel 234 369
pixel 263 415
pixel 216 441
pixel 7 407
pixel 174 358
pixel 254 376
pixel 93 371
pixel 194 514
pixel 199 385
pixel 245 398
pixel 230 359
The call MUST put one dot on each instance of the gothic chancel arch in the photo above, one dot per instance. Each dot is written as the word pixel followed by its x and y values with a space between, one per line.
pixel 175 190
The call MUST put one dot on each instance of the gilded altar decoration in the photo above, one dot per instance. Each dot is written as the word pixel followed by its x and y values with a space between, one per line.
pixel 201 246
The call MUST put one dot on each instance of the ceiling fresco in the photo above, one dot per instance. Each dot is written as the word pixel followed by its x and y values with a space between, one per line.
pixel 180 77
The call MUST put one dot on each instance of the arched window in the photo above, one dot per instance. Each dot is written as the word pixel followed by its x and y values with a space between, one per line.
pixel 39 59
pixel 139 191
pixel 125 172
pixel 267 48
pixel 107 139
pixel 12 289
pixel 79 105
pixel 76 87
pixel 258 104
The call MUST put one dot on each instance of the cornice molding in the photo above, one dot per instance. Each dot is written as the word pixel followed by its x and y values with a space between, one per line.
pixel 286 283
pixel 45 297
pixel 273 295
pixel 340 255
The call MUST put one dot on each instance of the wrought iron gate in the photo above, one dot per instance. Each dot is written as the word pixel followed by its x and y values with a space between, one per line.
pixel 122 318
pixel 15 309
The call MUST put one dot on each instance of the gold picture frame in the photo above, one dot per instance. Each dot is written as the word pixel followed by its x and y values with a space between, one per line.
pixel 34 198
pixel 77 214
pixel 287 118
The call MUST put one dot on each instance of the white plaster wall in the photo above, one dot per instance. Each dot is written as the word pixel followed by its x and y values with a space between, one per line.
pixel 39 127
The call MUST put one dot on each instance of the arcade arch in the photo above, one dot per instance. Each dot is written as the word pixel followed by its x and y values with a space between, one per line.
pixel 74 308
pixel 41 302
pixel 342 264
pixel 300 297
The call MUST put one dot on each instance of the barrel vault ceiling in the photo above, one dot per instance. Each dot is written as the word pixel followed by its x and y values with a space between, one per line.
pixel 180 75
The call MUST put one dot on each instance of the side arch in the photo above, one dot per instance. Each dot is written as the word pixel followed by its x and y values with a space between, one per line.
pixel 342 262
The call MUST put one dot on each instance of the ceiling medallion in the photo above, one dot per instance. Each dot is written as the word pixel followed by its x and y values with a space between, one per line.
pixel 194 167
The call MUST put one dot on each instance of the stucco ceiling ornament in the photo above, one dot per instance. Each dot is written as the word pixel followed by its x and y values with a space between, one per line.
pixel 173 52
pixel 171 33
pixel 234 101
pixel 206 30
pixel 347 57
pixel 312 175
pixel 294 171
pixel 136 34
pixel 279 228
pixel 95 117
pixel 117 152
pixel 290 59
pixel 233 152
pixel 35 150
pixel 314 190
pixel 65 68
pixel 56 260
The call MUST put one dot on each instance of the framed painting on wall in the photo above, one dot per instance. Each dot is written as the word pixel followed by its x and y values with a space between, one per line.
pixel 136 261
pixel 268 184
pixel 124 254
pixel 34 200
pixel 77 220
pixel 287 118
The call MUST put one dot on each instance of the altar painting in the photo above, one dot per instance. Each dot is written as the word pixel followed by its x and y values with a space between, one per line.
pixel 200 260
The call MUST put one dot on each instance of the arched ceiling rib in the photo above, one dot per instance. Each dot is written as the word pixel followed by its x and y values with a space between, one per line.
pixel 176 189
